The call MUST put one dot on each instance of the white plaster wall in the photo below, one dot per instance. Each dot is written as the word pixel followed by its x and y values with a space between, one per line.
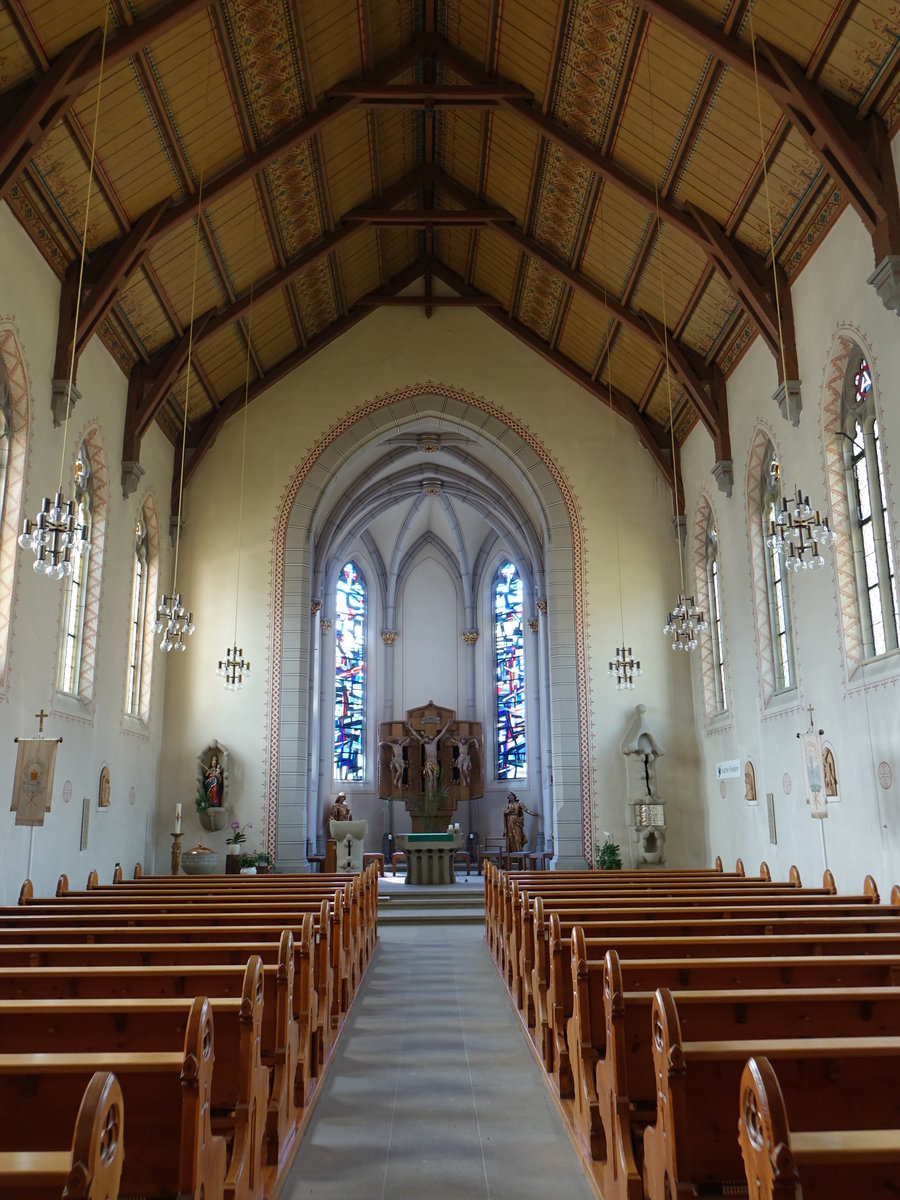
pixel 29 295
pixel 862 832
pixel 390 350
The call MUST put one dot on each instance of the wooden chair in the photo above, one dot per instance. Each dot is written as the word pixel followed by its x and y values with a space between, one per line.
pixel 492 850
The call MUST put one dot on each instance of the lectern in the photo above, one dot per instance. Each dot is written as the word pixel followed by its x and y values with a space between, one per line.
pixel 351 838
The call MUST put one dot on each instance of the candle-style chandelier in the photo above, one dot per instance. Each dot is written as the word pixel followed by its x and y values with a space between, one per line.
pixel 233 667
pixel 797 532
pixel 684 623
pixel 57 537
pixel 624 668
pixel 174 622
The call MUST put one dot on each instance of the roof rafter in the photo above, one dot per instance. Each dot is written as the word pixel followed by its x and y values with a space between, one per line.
pixel 848 146
pixel 651 435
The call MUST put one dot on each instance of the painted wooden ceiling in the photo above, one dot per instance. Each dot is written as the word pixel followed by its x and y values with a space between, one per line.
pixel 296 162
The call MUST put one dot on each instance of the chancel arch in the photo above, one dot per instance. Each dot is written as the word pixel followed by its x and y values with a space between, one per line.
pixel 427 474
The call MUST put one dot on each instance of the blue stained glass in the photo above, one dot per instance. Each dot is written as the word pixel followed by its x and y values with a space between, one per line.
pixel 509 650
pixel 350 675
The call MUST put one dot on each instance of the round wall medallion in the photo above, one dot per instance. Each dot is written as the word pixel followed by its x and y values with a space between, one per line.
pixel 67 791
pixel 786 783
pixel 885 775
pixel 132 795
pixel 722 788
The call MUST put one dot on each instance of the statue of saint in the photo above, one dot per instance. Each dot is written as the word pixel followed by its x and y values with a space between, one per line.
pixel 831 785
pixel 514 823
pixel 340 810
pixel 431 768
pixel 213 782
pixel 397 763
pixel 464 761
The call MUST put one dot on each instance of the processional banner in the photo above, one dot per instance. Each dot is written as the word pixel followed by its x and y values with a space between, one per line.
pixel 33 783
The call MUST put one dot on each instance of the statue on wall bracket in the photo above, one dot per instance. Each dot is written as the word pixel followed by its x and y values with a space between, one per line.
pixel 431 761
pixel 644 807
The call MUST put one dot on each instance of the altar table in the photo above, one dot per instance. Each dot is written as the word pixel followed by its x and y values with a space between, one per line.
pixel 429 856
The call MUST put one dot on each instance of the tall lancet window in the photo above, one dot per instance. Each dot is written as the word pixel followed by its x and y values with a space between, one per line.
pixel 873 550
pixel 140 576
pixel 350 675
pixel 509 670
pixel 779 604
pixel 715 613
pixel 75 584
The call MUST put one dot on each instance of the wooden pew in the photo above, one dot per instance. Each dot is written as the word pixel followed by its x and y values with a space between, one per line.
pixel 531 961
pixel 171 1145
pixel 90 1170
pixel 826 1163
pixel 240 1082
pixel 828 1083
pixel 609 1038
pixel 290 1033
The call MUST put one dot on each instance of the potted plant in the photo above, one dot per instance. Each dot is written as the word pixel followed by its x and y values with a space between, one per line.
pixel 258 864
pixel 426 810
pixel 234 853
pixel 607 857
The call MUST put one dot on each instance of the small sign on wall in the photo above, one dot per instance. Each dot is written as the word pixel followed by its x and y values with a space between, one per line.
pixel 730 769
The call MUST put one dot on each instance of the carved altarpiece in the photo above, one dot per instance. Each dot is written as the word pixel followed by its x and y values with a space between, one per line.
pixel 410 738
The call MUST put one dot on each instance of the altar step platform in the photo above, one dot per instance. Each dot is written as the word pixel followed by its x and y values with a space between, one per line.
pixel 461 903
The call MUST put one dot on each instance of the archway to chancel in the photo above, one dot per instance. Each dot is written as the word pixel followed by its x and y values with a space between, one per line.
pixel 429 492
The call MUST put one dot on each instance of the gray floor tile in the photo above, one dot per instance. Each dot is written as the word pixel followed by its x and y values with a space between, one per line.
pixel 434 1093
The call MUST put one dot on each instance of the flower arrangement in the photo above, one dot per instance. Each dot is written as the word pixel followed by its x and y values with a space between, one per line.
pixel 201 801
pixel 607 857
pixel 237 834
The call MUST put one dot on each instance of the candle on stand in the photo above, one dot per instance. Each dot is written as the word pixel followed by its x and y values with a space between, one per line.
pixel 178 818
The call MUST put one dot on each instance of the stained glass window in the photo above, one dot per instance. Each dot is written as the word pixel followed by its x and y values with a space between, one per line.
pixel 509 651
pixel 350 675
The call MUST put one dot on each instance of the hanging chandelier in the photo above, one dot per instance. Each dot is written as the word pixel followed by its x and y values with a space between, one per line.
pixel 624 669
pixel 684 622
pixel 56 536
pixel 797 532
pixel 233 667
pixel 174 623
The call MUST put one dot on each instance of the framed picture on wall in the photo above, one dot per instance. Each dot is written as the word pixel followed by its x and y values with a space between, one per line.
pixel 85 821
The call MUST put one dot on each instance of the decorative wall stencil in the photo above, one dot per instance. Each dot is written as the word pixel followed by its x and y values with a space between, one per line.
pixel 885 775
pixel 786 784
pixel 132 795
pixel 67 791
pixel 722 788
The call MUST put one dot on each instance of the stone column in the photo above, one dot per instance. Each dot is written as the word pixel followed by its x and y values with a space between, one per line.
pixel 470 637
pixel 388 636
pixel 545 732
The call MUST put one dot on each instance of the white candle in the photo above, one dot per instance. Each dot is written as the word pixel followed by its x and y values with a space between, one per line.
pixel 178 818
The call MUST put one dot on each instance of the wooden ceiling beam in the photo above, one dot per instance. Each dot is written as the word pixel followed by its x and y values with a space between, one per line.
pixel 33 109
pixel 424 218
pixel 425 95
pixel 651 435
pixel 202 440
pixel 741 267
pixel 685 363
pixel 849 147
pixel 378 299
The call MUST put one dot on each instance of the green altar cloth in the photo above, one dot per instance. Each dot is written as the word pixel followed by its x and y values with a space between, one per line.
pixel 429 837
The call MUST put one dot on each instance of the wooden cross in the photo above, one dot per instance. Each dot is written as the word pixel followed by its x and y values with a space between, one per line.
pixel 42 717
pixel 810 711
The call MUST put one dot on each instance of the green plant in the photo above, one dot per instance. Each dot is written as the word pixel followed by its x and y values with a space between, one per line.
pixel 607 857
pixel 201 802
pixel 259 859
pixel 431 802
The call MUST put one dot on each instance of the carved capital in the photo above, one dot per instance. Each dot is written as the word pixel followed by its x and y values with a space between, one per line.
pixel 542 607
pixel 470 636
pixel 429 444
pixel 788 399
pixel 533 624
pixel 132 473
pixel 432 487
pixel 723 473
pixel 885 279
pixel 325 626
pixel 58 390
pixel 315 606
pixel 389 636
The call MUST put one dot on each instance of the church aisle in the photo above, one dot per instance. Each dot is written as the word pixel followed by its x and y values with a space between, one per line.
pixel 434 1092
